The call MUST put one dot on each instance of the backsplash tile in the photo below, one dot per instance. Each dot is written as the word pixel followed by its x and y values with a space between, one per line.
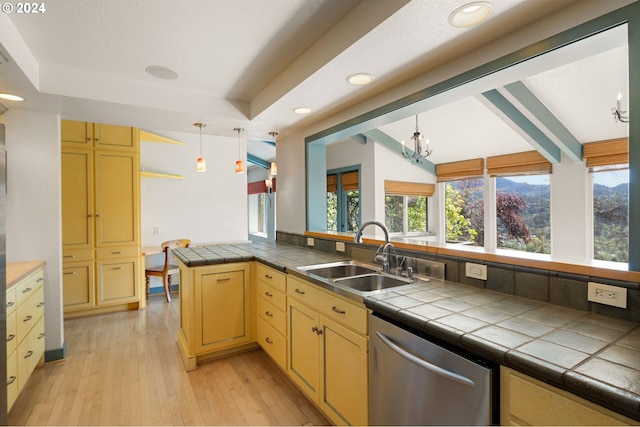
pixel 558 288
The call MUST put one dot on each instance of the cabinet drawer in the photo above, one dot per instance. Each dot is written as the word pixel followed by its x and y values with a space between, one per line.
pixel 272 342
pixel 12 379
pixel 70 255
pixel 272 277
pixel 117 252
pixel 333 306
pixel 11 300
pixel 274 317
pixel 12 332
pixel 29 313
pixel 29 352
pixel 28 286
pixel 275 297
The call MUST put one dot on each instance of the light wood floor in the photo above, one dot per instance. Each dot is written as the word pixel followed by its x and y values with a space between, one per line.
pixel 124 369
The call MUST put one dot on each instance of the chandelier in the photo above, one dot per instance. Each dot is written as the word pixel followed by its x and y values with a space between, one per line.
pixel 618 114
pixel 420 149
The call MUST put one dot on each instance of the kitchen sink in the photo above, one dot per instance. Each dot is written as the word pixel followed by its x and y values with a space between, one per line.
pixel 337 270
pixel 372 282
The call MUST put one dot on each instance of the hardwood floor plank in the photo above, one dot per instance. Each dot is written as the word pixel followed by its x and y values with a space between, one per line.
pixel 125 369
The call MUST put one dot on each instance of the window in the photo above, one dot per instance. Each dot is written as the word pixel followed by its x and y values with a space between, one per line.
pixel 257 214
pixel 343 200
pixel 523 213
pixel 406 207
pixel 464 211
pixel 611 215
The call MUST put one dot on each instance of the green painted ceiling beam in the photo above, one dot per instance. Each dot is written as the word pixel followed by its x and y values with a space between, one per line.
pixel 396 147
pixel 508 112
pixel 258 161
pixel 555 130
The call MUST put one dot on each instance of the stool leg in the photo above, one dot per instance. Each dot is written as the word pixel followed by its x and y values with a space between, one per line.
pixel 168 288
pixel 147 285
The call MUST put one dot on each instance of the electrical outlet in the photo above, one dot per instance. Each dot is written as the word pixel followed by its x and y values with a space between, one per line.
pixel 340 247
pixel 310 241
pixel 156 230
pixel 476 271
pixel 607 294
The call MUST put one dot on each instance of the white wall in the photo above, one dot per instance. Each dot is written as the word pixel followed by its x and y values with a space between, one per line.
pixel 34 230
pixel 206 206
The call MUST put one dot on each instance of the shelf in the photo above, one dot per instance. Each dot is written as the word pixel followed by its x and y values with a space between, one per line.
pixel 148 174
pixel 152 137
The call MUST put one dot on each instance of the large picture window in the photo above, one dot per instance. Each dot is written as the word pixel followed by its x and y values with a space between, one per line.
pixel 611 215
pixel 343 200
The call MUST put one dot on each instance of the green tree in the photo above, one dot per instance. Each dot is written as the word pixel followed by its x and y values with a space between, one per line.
pixel 457 225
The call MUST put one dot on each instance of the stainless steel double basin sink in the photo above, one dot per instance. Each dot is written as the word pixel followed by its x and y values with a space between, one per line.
pixel 354 276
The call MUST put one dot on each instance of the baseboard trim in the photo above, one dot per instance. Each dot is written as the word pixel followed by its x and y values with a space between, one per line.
pixel 160 289
pixel 56 353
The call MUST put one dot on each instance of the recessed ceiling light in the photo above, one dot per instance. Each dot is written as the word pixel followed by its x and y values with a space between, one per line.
pixel 360 79
pixel 10 97
pixel 470 14
pixel 302 110
pixel 161 72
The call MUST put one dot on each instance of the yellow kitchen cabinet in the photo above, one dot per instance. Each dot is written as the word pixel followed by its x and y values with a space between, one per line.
pixel 217 311
pixel 25 331
pixel 271 309
pixel 97 135
pixel 100 217
pixel 528 401
pixel 328 358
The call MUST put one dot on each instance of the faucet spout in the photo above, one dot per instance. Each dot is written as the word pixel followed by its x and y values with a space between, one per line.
pixel 358 237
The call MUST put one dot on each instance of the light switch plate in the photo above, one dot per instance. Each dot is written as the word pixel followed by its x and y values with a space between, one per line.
pixel 476 271
pixel 340 247
pixel 310 241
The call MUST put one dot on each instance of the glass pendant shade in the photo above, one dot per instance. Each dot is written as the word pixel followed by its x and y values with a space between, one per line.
pixel 239 166
pixel 274 169
pixel 201 165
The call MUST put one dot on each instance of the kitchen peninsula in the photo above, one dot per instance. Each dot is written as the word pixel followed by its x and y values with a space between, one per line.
pixel 576 354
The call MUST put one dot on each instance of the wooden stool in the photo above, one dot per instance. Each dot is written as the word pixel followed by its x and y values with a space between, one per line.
pixel 165 271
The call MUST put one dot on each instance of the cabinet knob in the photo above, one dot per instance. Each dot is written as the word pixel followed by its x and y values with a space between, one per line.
pixel 117 253
pixel 316 330
pixel 29 354
pixel 26 291
pixel 268 340
pixel 269 294
pixel 40 304
pixel 41 335
pixel 298 291
pixel 70 256
pixel 26 319
pixel 10 337
pixel 10 304
pixel 226 279
pixel 69 272
pixel 268 314
pixel 268 276
pixel 12 379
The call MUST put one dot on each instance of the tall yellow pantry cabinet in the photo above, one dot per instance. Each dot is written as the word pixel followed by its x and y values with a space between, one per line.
pixel 100 217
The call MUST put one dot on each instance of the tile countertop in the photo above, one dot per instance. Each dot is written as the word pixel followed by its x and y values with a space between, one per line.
pixel 590 355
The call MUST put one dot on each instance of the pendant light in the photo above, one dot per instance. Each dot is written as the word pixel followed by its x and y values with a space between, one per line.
pixel 274 165
pixel 239 162
pixel 201 165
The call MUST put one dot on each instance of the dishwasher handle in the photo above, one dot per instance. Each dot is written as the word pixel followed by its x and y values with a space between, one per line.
pixel 424 364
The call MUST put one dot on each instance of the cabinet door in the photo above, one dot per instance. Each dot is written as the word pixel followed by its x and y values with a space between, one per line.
pixel 77 199
pixel 345 395
pixel 76 134
pixel 118 281
pixel 117 191
pixel 113 137
pixel 78 285
pixel 12 379
pixel 222 305
pixel 304 348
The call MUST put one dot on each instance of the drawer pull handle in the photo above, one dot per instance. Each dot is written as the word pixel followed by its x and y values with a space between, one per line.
pixel 316 330
pixel 268 314
pixel 269 294
pixel 117 268
pixel 29 354
pixel 11 337
pixel 298 291
pixel 41 335
pixel 26 291
pixel 337 310
pixel 12 379
pixel 10 304
pixel 26 319
pixel 268 340
pixel 268 276
pixel 69 272
pixel 41 279
pixel 226 279
pixel 40 304
pixel 69 256
pixel 117 253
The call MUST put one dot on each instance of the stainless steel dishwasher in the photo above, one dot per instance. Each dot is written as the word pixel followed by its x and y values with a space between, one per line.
pixel 414 381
